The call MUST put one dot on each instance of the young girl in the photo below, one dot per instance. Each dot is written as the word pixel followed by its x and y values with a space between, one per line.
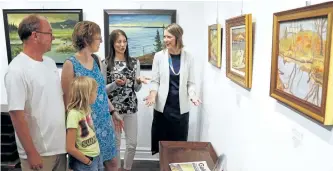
pixel 82 144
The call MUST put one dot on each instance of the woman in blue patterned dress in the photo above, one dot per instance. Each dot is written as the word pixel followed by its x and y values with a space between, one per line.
pixel 86 39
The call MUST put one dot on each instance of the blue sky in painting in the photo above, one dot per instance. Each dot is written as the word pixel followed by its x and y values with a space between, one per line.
pixel 139 20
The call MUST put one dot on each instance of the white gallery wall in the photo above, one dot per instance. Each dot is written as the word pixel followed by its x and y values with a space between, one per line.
pixel 255 131
pixel 93 11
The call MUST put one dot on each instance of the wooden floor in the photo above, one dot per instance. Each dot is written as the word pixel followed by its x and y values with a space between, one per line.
pixel 138 165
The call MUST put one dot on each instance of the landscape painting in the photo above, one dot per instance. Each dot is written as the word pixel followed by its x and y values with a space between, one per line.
pixel 237 49
pixel 144 30
pixel 301 63
pixel 62 23
pixel 301 59
pixel 239 44
pixel 214 44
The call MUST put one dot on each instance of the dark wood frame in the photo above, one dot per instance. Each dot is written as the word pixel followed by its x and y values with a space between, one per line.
pixel 323 114
pixel 219 44
pixel 246 21
pixel 31 11
pixel 109 12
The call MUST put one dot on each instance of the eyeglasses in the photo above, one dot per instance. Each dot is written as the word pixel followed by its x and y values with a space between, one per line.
pixel 44 32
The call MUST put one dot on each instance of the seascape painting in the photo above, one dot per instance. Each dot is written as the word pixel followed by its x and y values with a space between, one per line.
pixel 301 58
pixel 238 49
pixel 145 32
pixel 62 24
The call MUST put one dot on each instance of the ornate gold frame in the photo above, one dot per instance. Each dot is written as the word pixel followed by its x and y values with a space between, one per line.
pixel 218 28
pixel 324 113
pixel 244 20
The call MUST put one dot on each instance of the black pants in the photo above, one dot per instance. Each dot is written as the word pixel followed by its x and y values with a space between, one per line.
pixel 166 129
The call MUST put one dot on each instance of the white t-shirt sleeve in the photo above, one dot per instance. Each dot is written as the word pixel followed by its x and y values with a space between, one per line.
pixel 16 88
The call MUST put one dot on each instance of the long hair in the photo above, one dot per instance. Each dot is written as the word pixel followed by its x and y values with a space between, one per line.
pixel 177 31
pixel 80 93
pixel 112 53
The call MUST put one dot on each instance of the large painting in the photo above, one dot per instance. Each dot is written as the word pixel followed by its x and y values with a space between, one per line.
pixel 62 22
pixel 214 44
pixel 301 64
pixel 239 50
pixel 144 30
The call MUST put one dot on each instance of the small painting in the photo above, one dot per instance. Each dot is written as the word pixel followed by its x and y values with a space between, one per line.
pixel 239 50
pixel 144 30
pixel 214 44
pixel 300 60
pixel 62 22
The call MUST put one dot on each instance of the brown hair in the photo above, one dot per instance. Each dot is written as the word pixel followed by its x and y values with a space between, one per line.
pixel 84 33
pixel 176 31
pixel 28 25
pixel 80 93
pixel 112 52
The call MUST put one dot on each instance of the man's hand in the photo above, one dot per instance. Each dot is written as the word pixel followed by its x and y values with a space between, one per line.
pixel 35 161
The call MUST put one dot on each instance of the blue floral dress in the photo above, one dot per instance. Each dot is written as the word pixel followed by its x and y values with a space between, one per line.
pixel 100 111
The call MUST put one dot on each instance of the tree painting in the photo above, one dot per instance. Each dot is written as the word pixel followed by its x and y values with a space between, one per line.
pixel 62 27
pixel 301 58
pixel 144 32
pixel 238 42
pixel 213 46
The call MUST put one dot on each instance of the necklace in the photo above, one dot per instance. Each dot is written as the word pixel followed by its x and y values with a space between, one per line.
pixel 171 66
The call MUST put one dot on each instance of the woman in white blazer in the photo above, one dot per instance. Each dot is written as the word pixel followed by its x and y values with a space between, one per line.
pixel 173 87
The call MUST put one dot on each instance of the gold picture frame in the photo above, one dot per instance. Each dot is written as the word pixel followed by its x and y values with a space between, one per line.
pixel 239 50
pixel 214 45
pixel 300 74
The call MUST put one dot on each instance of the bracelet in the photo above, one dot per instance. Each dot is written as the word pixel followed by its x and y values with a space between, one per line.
pixel 138 81
pixel 89 163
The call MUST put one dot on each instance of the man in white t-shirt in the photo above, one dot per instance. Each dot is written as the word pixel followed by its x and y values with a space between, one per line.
pixel 35 99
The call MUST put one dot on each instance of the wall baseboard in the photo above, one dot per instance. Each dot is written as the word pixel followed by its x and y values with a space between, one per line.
pixel 142 153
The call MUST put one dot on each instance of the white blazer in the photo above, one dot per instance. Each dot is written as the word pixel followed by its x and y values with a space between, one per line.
pixel 161 76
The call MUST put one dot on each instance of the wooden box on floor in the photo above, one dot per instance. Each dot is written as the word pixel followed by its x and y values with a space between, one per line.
pixel 179 151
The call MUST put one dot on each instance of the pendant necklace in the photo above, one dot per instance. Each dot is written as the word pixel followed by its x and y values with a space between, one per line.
pixel 171 66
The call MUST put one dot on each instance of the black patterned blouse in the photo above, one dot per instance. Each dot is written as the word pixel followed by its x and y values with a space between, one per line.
pixel 124 97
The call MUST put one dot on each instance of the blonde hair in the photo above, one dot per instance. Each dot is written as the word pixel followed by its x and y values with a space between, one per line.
pixel 80 93
pixel 176 31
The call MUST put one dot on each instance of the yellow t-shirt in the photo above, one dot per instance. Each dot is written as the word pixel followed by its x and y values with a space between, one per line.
pixel 86 140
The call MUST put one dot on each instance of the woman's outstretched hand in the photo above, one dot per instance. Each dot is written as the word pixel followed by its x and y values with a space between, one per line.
pixel 150 100
pixel 142 79
pixel 196 101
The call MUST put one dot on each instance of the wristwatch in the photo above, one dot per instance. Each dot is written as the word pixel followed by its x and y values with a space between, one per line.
pixel 112 111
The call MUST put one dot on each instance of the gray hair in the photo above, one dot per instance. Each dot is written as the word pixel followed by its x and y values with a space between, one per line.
pixel 28 25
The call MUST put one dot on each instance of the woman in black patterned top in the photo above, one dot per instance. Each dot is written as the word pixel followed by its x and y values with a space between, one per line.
pixel 123 80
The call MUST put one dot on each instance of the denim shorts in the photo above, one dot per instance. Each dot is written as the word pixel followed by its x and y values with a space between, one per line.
pixel 77 165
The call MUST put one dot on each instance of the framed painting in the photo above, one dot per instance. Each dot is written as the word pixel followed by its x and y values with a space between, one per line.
pixel 302 69
pixel 214 44
pixel 239 50
pixel 144 30
pixel 62 22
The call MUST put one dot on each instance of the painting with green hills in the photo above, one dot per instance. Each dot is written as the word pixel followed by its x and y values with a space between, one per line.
pixel 301 58
pixel 62 28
